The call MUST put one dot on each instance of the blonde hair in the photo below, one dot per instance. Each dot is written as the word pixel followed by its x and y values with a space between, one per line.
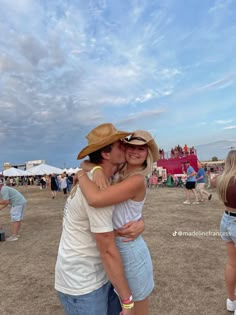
pixel 144 170
pixel 228 174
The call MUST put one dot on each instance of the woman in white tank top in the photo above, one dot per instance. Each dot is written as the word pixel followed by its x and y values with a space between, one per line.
pixel 128 195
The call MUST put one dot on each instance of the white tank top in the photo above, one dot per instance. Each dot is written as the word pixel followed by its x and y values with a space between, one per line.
pixel 126 211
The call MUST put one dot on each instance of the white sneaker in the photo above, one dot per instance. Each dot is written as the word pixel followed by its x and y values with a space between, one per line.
pixel 196 203
pixel 231 306
pixel 12 238
pixel 186 202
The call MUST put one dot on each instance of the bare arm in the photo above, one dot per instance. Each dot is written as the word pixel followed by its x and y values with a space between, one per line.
pixel 122 191
pixel 87 165
pixel 130 230
pixel 199 178
pixel 192 174
pixel 3 203
pixel 113 265
pixel 98 176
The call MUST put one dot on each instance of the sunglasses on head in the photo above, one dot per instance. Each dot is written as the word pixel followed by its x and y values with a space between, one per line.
pixel 128 139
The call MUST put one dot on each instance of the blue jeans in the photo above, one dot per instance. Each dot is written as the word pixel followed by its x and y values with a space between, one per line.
pixel 137 264
pixel 103 301
pixel 228 228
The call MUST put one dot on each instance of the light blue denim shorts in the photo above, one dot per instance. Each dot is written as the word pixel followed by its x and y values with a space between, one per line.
pixel 103 301
pixel 137 264
pixel 17 213
pixel 228 228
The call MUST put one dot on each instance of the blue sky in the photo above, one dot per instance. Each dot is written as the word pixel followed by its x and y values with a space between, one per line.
pixel 166 66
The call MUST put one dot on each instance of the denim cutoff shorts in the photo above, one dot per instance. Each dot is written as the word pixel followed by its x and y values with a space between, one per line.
pixel 137 264
pixel 103 301
pixel 17 213
pixel 228 228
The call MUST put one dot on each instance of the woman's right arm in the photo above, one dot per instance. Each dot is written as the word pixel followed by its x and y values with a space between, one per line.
pixel 127 189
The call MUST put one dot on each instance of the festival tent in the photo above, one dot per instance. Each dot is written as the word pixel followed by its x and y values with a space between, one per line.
pixel 11 172
pixel 71 170
pixel 44 169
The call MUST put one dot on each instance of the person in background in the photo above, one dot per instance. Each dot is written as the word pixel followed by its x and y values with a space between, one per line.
pixel 63 184
pixel 69 179
pixel 43 182
pixel 201 182
pixel 8 181
pixel 190 184
pixel 10 196
pixel 225 184
pixel 186 150
pixel 153 180
pixel 54 185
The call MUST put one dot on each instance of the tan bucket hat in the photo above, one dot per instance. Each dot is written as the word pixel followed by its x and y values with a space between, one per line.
pixel 100 137
pixel 141 137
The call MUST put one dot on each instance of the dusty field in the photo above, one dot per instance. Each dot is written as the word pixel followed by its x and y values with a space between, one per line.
pixel 189 270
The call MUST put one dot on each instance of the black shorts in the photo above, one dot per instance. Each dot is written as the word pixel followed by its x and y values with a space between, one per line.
pixel 190 185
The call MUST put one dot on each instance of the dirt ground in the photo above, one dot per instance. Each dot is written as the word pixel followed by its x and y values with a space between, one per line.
pixel 189 270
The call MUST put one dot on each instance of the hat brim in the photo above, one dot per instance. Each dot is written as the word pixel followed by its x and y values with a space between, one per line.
pixel 151 144
pixel 99 145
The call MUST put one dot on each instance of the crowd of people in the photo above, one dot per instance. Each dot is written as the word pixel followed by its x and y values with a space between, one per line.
pixel 195 183
pixel 177 152
pixel 62 182
pixel 103 264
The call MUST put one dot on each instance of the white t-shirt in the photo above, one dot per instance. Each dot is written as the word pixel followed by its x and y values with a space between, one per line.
pixel 63 182
pixel 79 268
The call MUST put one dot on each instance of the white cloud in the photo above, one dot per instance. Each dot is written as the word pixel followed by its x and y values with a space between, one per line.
pixel 141 115
pixel 228 80
pixel 229 127
pixel 220 5
pixel 223 121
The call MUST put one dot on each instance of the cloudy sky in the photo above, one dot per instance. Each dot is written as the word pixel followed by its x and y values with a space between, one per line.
pixel 66 66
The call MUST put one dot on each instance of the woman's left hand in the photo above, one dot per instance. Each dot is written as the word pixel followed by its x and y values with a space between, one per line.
pixel 100 179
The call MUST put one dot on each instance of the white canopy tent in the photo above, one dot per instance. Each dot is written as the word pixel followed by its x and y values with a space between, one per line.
pixel 11 172
pixel 71 170
pixel 44 169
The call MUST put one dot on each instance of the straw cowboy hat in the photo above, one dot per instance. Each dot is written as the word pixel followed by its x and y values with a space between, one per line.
pixel 140 137
pixel 100 137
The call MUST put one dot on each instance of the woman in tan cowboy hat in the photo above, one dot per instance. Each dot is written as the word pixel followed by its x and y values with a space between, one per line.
pixel 128 195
